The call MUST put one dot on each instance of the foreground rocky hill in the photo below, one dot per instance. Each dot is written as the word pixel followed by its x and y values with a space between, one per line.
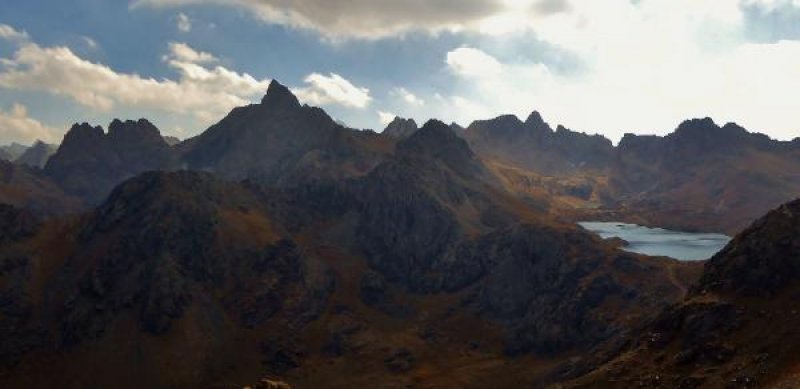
pixel 737 327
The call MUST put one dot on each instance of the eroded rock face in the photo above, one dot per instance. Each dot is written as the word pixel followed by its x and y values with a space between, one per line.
pixel 405 221
pixel 155 247
pixel 546 284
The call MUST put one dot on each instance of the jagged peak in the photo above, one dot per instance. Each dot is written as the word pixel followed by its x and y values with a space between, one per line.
pixel 401 128
pixel 434 126
pixel 84 130
pixel 398 120
pixel 509 118
pixel 697 124
pixel 433 136
pixel 279 95
pixel 535 119
pixel 142 125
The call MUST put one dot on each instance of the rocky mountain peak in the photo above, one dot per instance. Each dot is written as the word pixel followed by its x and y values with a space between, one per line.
pixel 401 128
pixel 432 136
pixel 82 132
pixel 279 95
pixel 89 162
pixel 697 124
pixel 36 155
pixel 535 121
pixel 437 141
pixel 134 131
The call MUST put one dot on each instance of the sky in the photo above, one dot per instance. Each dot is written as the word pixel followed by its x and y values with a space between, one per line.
pixel 609 67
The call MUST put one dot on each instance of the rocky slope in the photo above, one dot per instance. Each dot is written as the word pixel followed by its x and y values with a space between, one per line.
pixel 27 188
pixel 177 270
pixel 737 327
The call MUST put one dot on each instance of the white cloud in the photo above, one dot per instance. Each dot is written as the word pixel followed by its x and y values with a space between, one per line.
pixel 9 33
pixel 772 4
pixel 90 43
pixel 332 89
pixel 202 92
pixel 17 126
pixel 364 19
pixel 468 61
pixel 385 117
pixel 184 24
pixel 645 66
pixel 182 52
pixel 408 97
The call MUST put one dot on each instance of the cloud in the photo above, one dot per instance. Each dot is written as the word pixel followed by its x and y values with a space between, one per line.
pixel 181 52
pixel 332 89
pixel 17 126
pixel 9 33
pixel 199 91
pixel 365 19
pixel 467 61
pixel 385 118
pixel 184 24
pixel 90 43
pixel 408 97
pixel 752 84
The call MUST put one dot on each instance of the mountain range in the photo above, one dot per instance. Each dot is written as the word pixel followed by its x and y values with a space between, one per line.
pixel 280 243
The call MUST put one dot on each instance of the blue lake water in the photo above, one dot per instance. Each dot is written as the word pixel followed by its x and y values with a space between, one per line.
pixel 686 246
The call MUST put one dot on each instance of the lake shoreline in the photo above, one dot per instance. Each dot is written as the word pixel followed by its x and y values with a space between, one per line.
pixel 659 242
